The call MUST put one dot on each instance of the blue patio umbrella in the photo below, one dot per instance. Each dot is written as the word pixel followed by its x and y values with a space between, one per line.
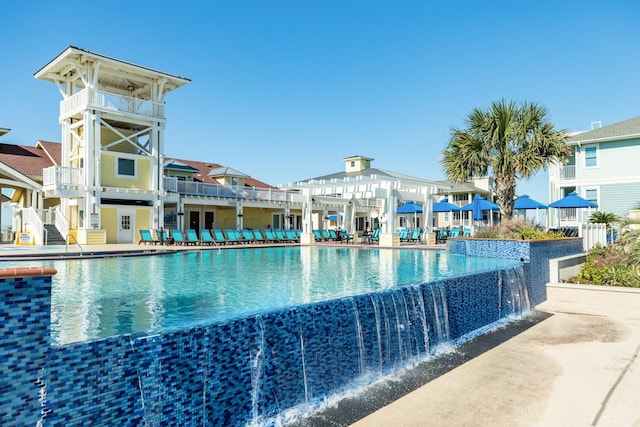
pixel 572 200
pixel 444 206
pixel 526 202
pixel 409 207
pixel 478 206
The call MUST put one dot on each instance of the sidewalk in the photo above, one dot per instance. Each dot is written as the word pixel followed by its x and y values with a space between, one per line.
pixel 578 367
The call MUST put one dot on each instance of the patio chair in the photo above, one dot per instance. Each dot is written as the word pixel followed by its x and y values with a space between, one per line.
pixel 270 236
pixel 333 235
pixel 455 232
pixel 325 234
pixel 404 235
pixel 192 237
pixel 280 235
pixel 206 238
pixel 257 235
pixel 317 235
pixel 146 237
pixel 346 237
pixel 375 237
pixel 233 235
pixel 178 237
pixel 218 237
pixel 247 236
pixel 291 236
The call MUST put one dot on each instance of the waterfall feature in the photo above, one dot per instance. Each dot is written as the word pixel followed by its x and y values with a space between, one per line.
pixel 516 297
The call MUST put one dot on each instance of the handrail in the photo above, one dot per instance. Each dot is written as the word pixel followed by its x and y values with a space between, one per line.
pixel 76 240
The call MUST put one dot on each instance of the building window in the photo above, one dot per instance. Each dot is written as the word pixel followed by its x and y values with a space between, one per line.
pixel 590 156
pixel 353 163
pixel 126 167
pixel 591 195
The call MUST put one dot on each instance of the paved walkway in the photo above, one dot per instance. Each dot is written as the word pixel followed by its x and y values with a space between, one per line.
pixel 578 367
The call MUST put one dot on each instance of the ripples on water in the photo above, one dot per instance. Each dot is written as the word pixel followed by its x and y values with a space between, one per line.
pixel 95 298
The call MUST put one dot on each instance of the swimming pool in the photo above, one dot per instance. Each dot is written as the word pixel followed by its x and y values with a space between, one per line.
pixel 95 298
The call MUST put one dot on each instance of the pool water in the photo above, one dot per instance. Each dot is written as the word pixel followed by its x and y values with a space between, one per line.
pixel 95 298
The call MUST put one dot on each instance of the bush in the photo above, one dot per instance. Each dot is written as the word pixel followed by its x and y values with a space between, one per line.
pixel 517 230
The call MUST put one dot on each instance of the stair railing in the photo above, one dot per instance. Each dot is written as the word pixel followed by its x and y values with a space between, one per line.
pixel 76 240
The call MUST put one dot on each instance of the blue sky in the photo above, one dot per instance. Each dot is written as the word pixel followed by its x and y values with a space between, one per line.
pixel 284 90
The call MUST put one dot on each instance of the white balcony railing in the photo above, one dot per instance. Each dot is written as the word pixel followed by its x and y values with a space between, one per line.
pixel 108 101
pixel 173 185
pixel 568 172
pixel 59 176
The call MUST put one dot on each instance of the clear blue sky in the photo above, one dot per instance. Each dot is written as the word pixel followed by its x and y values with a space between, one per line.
pixel 283 90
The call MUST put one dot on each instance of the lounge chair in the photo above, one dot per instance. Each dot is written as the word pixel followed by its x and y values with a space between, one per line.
pixel 257 235
pixel 404 235
pixel 206 238
pixel 218 237
pixel 317 235
pixel 165 239
pixel 233 235
pixel 291 235
pixel 178 237
pixel 247 236
pixel 346 237
pixel 442 235
pixel 192 237
pixel 455 232
pixel 333 235
pixel 280 235
pixel 466 232
pixel 146 237
pixel 269 235
pixel 325 234
pixel 416 234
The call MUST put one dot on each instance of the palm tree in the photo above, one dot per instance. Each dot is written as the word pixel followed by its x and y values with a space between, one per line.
pixel 603 218
pixel 508 140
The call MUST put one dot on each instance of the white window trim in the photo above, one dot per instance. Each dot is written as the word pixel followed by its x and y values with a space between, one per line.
pixel 597 190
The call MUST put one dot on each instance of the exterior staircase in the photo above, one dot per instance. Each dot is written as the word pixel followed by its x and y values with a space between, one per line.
pixel 53 235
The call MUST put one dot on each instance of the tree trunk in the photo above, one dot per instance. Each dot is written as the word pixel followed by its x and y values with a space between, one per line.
pixel 505 193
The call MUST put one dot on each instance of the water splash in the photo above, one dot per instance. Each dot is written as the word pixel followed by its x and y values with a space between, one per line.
pixel 513 283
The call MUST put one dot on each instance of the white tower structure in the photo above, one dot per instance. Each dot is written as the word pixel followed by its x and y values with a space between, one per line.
pixel 110 180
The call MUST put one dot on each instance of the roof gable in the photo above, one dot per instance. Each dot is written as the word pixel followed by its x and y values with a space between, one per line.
pixel 625 129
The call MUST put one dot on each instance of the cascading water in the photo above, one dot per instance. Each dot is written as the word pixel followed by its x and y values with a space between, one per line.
pixel 516 299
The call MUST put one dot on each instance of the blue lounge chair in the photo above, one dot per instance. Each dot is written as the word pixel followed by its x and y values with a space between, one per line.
pixel 291 235
pixel 146 237
pixel 318 236
pixel 206 238
pixel 325 234
pixel 466 232
pixel 280 235
pixel 333 234
pixel 178 237
pixel 218 237
pixel 404 235
pixel 416 234
pixel 442 235
pixel 257 235
pixel 192 237
pixel 247 236
pixel 455 232
pixel 233 235
pixel 270 236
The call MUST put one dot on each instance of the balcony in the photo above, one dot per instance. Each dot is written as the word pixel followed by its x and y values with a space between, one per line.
pixel 190 188
pixel 568 172
pixel 106 101
pixel 59 180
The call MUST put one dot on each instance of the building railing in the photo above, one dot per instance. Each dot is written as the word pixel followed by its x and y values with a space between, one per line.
pixel 173 185
pixel 568 172
pixel 57 176
pixel 88 98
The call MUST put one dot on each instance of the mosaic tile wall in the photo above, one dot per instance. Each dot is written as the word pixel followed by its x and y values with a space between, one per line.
pixel 245 370
pixel 25 309
pixel 535 254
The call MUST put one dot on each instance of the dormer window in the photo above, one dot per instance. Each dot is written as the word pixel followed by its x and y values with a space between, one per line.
pixel 353 163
